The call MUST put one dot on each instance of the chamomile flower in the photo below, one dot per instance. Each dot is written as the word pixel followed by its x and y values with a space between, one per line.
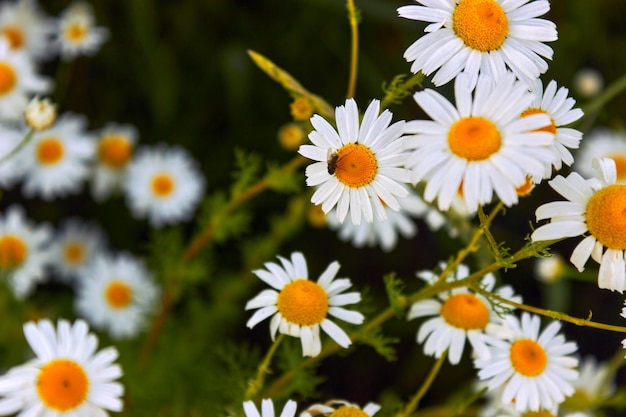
pixel 602 143
pixel 536 370
pixel 340 408
pixel 68 377
pixel 595 207
pixel 26 28
pixel 267 409
pixel 11 170
pixel 74 247
pixel 384 233
pixel 480 147
pixel 24 251
pixel 459 315
pixel 77 33
pixel 483 36
pixel 116 144
pixel 359 167
pixel 588 82
pixel 299 307
pixel 164 184
pixel 593 387
pixel 40 114
pixel 116 294
pixel 550 269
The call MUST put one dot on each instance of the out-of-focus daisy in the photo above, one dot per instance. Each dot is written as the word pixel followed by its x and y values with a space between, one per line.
pixel 588 82
pixel 481 146
pixel 556 104
pixel 66 378
pixel 77 33
pixel 267 409
pixel 535 369
pixel 595 207
pixel 550 269
pixel 602 143
pixel 74 247
pixel 18 80
pixel 460 315
pixel 164 184
pixel 116 144
pixel 593 387
pixel 26 28
pixel 299 307
pixel 57 159
pixel 40 114
pixel 359 168
pixel 116 294
pixel 23 251
pixel 11 170
pixel 385 233
pixel 341 408
pixel 483 36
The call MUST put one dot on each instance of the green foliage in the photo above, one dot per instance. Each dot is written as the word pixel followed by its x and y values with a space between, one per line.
pixel 217 217
pixel 381 343
pixel 395 294
pixel 247 171
pixel 281 181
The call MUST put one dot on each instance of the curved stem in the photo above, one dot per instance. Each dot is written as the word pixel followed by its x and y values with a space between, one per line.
pixel 412 405
pixel 354 49
pixel 608 94
pixel 19 147
pixel 263 369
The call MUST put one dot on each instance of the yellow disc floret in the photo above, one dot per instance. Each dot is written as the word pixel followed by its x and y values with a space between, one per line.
pixel 8 78
pixel 474 138
pixel 14 36
pixel 115 151
pixel 303 302
pixel 74 253
pixel 50 151
pixel 162 185
pixel 528 357
pixel 551 128
pixel 76 32
pixel 356 165
pixel 118 294
pixel 465 311
pixel 481 24
pixel 620 165
pixel 13 251
pixel 62 385
pixel 348 411
pixel 606 216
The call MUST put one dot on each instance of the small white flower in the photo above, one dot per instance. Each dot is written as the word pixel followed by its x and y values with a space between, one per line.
pixel 40 114
pixel 602 143
pixel 26 28
pixel 267 409
pixel 77 33
pixel 341 408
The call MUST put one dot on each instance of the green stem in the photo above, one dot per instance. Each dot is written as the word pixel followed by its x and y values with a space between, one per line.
pixel 608 94
pixel 19 147
pixel 264 368
pixel 354 49
pixel 412 405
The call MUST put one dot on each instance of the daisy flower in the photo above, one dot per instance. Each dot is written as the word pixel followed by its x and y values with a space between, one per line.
pixel 77 34
pixel 588 82
pixel 535 369
pixel 479 147
pixel 40 114
pixel 594 386
pixel 58 159
pixel 116 144
pixel 74 247
pixel 66 378
pixel 26 28
pixel 483 36
pixel 384 233
pixel 116 294
pixel 550 269
pixel 11 170
pixel 594 207
pixel 300 307
pixel 459 315
pixel 23 251
pixel 337 408
pixel 602 143
pixel 163 183
pixel 18 80
pixel 267 409
pixel 359 168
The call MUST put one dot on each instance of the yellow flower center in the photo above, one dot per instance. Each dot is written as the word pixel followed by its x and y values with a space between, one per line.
pixel 465 311
pixel 606 216
pixel 115 151
pixel 8 78
pixel 291 136
pixel 303 302
pixel 301 109
pixel 13 251
pixel 162 185
pixel 528 357
pixel 76 32
pixel 14 36
pixel 62 385
pixel 348 411
pixel 525 189
pixel 538 414
pixel 551 128
pixel 481 24
pixel 474 138
pixel 620 165
pixel 50 151
pixel 74 253
pixel 356 165
pixel 118 294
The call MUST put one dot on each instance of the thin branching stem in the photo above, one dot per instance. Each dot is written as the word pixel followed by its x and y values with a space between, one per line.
pixel 434 371
pixel 354 48
pixel 264 368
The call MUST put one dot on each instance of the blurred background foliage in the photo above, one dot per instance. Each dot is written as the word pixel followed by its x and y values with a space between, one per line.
pixel 180 72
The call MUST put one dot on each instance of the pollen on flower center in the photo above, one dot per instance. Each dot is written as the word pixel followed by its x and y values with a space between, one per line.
pixel 542 413
pixel 348 411
pixel 14 36
pixel 162 185
pixel 13 251
pixel 474 138
pixel 118 294
pixel 606 216
pixel 356 165
pixel 76 33
pixel 528 357
pixel 303 302
pixel 551 128
pixel 8 78
pixel 50 151
pixel 114 151
pixel 620 165
pixel 62 385
pixel 481 24
pixel 74 253
pixel 465 311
